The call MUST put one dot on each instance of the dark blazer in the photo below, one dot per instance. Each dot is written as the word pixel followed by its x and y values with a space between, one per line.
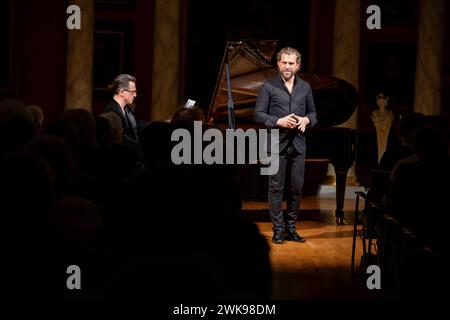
pixel 129 124
pixel 274 101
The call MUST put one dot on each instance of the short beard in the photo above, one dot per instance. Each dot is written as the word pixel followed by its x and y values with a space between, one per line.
pixel 287 79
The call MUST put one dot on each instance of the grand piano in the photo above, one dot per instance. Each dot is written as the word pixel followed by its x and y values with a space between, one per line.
pixel 250 64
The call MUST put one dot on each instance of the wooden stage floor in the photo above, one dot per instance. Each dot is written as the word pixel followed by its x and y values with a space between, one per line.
pixel 319 268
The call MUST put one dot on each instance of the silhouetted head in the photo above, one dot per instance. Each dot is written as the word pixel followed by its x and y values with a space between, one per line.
pixel 187 115
pixel 16 125
pixel 116 126
pixel 103 132
pixel 84 122
pixel 430 142
pixel 58 154
pixel 13 108
pixel 38 117
pixel 27 181
pixel 408 123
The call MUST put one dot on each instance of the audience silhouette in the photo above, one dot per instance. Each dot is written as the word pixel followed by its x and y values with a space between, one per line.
pixel 77 196
pixel 417 198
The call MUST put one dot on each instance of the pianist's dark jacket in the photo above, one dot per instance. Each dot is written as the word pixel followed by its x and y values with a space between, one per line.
pixel 132 129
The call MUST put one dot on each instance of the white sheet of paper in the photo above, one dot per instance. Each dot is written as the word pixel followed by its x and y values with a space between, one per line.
pixel 189 104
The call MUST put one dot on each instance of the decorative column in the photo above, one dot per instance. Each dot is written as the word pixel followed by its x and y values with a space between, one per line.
pixel 80 58
pixel 346 56
pixel 428 86
pixel 166 57
pixel 346 46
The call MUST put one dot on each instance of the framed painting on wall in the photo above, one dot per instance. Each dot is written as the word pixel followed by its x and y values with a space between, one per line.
pixel 390 68
pixel 112 54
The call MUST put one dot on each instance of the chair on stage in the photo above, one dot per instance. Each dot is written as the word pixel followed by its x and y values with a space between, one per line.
pixel 370 217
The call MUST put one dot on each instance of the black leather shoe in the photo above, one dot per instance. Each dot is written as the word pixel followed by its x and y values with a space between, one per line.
pixel 341 221
pixel 278 237
pixel 295 236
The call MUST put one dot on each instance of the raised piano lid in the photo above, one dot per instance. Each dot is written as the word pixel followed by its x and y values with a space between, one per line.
pixel 251 64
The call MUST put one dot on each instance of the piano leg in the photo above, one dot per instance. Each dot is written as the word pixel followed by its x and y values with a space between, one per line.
pixel 341 179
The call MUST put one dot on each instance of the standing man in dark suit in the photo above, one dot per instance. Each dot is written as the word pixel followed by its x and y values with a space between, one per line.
pixel 124 88
pixel 286 102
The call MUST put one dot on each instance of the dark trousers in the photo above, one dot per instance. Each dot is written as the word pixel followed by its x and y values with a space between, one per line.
pixel 291 163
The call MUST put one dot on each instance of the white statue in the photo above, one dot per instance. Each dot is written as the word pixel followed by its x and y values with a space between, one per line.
pixel 382 119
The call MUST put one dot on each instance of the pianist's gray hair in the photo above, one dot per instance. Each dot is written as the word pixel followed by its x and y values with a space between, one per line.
pixel 289 51
pixel 122 81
